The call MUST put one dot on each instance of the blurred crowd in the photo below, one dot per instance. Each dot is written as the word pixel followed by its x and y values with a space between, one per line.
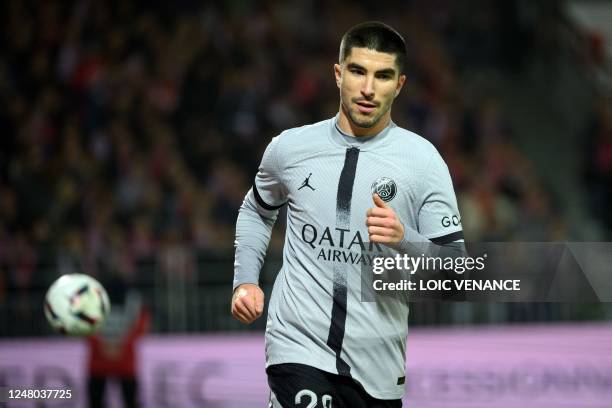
pixel 131 129
pixel 598 163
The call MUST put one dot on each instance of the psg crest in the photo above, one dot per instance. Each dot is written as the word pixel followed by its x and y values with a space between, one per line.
pixel 385 188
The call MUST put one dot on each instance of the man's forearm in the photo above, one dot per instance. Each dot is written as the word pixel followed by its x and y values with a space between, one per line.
pixel 253 231
pixel 415 244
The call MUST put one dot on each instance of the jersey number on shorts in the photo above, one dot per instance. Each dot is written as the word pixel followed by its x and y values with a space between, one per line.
pixel 326 400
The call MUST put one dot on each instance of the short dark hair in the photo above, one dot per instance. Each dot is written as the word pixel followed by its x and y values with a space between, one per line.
pixel 376 36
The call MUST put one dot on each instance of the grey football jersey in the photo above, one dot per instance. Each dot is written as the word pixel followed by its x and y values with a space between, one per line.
pixel 326 179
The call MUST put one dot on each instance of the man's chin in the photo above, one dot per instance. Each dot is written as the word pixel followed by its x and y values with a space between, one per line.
pixel 363 123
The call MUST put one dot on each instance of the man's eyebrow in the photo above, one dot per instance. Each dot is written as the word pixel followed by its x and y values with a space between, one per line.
pixel 389 71
pixel 353 65
pixel 385 71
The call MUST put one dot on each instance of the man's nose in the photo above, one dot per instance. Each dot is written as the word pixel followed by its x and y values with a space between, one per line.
pixel 367 89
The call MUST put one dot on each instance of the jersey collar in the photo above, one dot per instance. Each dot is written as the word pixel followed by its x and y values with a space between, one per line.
pixel 362 142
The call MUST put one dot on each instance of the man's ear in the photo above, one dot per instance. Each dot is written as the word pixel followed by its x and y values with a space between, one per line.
pixel 338 74
pixel 400 84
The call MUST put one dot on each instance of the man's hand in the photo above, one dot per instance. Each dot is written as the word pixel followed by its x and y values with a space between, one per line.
pixel 384 226
pixel 247 303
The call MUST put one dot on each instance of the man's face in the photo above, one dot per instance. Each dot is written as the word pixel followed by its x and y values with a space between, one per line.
pixel 369 81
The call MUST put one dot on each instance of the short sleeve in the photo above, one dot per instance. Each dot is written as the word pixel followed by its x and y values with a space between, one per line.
pixel 439 219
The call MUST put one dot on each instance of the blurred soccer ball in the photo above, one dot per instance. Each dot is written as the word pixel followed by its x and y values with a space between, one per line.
pixel 76 304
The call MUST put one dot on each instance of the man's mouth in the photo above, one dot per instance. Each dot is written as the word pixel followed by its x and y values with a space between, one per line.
pixel 365 107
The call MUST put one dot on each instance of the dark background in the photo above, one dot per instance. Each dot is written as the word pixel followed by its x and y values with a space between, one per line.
pixel 130 132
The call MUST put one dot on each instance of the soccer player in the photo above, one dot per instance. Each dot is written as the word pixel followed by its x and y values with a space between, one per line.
pixel 351 183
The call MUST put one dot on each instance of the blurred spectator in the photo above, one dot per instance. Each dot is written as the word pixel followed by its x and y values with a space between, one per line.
pixel 113 350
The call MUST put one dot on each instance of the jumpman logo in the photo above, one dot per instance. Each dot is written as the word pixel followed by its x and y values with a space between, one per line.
pixel 306 183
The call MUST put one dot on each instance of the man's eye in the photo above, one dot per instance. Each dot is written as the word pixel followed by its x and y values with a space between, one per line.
pixel 356 72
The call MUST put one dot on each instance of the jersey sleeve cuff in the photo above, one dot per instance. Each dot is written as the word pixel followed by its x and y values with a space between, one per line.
pixel 448 238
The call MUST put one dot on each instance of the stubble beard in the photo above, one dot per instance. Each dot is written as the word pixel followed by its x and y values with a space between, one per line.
pixel 364 121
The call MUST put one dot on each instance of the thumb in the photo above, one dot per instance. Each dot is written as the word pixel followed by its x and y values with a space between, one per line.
pixel 379 201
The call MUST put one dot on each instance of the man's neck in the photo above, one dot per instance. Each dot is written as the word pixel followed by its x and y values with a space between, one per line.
pixel 347 126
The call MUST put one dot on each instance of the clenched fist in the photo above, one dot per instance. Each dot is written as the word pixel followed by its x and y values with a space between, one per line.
pixel 247 303
pixel 384 226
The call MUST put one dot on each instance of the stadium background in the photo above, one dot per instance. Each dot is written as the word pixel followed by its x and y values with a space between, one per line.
pixel 132 130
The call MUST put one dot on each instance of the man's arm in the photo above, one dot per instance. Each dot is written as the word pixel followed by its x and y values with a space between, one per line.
pixel 385 227
pixel 438 224
pixel 253 231
pixel 438 232
pixel 256 219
